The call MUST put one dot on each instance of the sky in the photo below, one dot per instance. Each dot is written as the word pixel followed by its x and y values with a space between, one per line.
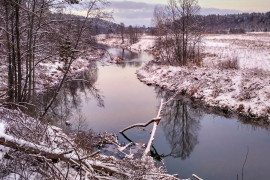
pixel 140 12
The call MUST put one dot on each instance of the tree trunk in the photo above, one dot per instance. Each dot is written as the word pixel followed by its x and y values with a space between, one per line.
pixel 17 24
pixel 10 69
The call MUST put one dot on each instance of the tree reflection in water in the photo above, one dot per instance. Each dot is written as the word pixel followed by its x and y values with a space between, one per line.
pixel 68 102
pixel 129 57
pixel 181 125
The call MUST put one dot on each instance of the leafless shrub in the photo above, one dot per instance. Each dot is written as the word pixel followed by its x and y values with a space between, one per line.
pixel 85 140
pixel 232 63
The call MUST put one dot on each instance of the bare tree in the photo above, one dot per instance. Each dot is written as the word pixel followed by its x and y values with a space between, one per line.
pixel 159 20
pixel 122 31
pixel 133 34
pixel 35 31
pixel 181 37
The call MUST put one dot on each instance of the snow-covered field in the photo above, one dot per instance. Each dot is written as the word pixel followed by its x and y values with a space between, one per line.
pixel 145 43
pixel 252 50
pixel 245 90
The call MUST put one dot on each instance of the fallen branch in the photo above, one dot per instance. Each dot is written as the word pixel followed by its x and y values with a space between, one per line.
pixel 196 177
pixel 153 133
pixel 141 124
pixel 91 155
pixel 42 151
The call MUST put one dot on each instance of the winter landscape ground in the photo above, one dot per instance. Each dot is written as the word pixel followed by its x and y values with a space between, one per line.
pixel 234 74
pixel 51 56
pixel 55 149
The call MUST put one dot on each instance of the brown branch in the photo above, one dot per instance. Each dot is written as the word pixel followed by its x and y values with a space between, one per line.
pixel 91 155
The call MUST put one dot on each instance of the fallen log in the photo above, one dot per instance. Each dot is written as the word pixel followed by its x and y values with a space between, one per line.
pixel 196 177
pixel 153 133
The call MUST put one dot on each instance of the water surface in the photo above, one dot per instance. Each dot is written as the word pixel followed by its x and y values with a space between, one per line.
pixel 188 139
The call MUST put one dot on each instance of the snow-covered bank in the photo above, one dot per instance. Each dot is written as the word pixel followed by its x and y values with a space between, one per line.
pixel 246 92
pixel 30 149
pixel 49 72
pixel 145 43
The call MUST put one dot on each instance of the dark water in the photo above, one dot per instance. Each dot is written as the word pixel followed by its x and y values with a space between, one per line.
pixel 188 139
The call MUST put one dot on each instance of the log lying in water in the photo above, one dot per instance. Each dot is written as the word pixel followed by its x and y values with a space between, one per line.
pixel 156 121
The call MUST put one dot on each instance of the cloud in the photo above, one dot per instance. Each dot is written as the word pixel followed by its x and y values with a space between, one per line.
pixel 140 13
pixel 132 13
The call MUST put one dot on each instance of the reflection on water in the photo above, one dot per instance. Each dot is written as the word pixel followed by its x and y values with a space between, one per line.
pixel 181 125
pixel 188 140
pixel 67 105
pixel 131 59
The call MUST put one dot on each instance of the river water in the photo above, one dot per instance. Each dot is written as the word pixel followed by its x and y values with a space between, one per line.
pixel 188 140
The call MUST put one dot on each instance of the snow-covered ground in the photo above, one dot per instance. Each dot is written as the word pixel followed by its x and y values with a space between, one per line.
pixel 252 50
pixel 145 43
pixel 30 149
pixel 245 90
pixel 49 72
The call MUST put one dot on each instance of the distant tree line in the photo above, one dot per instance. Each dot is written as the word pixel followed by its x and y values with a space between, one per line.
pixel 231 23
pixel 236 23
pixel 131 33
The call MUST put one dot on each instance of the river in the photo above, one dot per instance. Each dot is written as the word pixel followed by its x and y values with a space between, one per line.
pixel 188 140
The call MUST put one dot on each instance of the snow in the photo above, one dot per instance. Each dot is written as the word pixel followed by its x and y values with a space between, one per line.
pixel 49 72
pixel 145 43
pixel 246 92
pixel 245 89
pixel 28 132
pixel 251 50
pixel 2 128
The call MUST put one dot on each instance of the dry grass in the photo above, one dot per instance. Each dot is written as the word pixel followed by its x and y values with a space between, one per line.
pixel 232 63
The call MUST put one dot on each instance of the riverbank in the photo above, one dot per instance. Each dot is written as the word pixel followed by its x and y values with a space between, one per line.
pixel 49 72
pixel 54 153
pixel 245 92
pixel 234 75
